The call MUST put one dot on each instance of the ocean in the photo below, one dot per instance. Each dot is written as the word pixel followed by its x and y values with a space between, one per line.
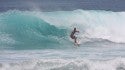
pixel 34 40
pixel 40 40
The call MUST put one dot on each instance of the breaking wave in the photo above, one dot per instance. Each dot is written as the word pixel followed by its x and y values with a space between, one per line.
pixel 33 29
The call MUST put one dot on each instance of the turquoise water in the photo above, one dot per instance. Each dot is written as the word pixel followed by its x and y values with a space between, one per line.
pixel 34 40
pixel 26 31
pixel 41 30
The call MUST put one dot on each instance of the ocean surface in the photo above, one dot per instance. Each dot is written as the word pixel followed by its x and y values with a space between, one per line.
pixel 35 40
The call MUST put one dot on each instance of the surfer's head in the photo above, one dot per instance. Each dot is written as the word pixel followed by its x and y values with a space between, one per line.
pixel 74 29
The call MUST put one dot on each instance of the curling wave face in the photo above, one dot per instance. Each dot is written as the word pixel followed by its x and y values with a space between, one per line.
pixel 31 29
pixel 23 30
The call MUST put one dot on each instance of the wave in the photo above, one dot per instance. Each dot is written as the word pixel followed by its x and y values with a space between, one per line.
pixel 20 29
pixel 33 29
pixel 65 64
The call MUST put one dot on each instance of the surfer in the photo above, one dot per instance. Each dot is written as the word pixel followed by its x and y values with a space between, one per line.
pixel 72 35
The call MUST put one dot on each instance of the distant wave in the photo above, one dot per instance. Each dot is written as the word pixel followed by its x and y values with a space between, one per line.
pixel 33 29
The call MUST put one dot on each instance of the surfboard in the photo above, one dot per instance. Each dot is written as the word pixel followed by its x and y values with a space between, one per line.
pixel 78 38
pixel 78 41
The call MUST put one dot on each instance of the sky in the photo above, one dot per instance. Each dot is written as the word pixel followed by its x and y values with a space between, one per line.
pixel 59 5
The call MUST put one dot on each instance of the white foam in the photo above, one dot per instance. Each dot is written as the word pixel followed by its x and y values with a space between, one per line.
pixel 91 23
pixel 65 64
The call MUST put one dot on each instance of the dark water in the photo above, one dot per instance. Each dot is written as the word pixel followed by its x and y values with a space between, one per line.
pixel 59 5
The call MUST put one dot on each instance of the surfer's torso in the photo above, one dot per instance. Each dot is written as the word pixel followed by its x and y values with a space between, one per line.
pixel 72 35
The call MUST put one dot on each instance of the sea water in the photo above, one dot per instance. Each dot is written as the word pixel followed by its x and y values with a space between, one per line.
pixel 35 40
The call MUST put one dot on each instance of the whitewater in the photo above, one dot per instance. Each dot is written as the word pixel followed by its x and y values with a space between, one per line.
pixel 35 40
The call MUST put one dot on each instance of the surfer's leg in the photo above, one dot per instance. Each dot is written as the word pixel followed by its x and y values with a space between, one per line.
pixel 75 39
pixel 76 43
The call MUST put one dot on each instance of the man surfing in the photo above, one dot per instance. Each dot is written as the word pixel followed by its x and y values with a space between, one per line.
pixel 72 35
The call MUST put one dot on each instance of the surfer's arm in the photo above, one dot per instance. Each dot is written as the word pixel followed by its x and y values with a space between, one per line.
pixel 77 31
